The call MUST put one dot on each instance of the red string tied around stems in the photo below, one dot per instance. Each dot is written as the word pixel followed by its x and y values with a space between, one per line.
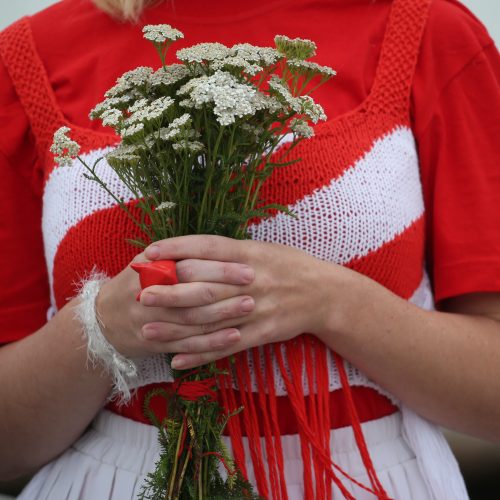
pixel 194 390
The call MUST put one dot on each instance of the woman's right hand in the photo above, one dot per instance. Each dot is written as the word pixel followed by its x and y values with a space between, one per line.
pixel 209 299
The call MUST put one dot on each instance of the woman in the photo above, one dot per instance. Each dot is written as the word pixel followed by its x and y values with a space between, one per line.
pixel 379 237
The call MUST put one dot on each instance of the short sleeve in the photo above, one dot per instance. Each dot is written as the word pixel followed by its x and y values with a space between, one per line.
pixel 24 289
pixel 460 164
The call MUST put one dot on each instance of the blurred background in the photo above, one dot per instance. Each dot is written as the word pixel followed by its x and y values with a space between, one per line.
pixel 479 460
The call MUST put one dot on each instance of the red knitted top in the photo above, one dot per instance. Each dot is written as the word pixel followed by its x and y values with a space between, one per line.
pixel 361 196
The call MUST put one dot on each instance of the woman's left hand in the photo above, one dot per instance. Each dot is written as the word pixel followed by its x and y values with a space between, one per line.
pixel 287 290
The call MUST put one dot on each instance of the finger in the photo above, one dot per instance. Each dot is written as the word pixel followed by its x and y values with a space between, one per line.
pixel 167 332
pixel 185 361
pixel 215 341
pixel 189 270
pixel 188 294
pixel 235 307
pixel 198 246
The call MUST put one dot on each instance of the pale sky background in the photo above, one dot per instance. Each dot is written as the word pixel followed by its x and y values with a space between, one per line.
pixel 487 10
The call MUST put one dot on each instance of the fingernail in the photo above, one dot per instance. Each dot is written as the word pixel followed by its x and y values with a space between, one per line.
pixel 178 363
pixel 247 305
pixel 248 274
pixel 148 299
pixel 234 335
pixel 149 332
pixel 152 252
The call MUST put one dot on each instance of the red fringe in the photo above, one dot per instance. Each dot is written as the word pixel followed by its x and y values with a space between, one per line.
pixel 274 419
pixel 299 413
pixel 233 424
pixel 295 361
pixel 263 399
pixel 305 354
pixel 319 470
pixel 251 423
pixel 323 389
pixel 358 432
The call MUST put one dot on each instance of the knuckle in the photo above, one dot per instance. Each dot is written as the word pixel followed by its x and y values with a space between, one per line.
pixel 265 283
pixel 187 316
pixel 184 270
pixel 209 295
pixel 266 336
pixel 188 345
pixel 207 328
pixel 226 312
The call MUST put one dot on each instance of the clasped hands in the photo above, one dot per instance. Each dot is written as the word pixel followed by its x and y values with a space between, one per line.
pixel 232 295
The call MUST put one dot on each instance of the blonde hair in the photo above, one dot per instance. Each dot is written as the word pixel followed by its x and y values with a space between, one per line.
pixel 129 10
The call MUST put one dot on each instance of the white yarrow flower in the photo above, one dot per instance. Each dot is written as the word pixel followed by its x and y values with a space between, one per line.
pixel 132 130
pixel 230 97
pixel 169 75
pixel 166 205
pixel 312 109
pixel 64 148
pixel 301 128
pixel 136 77
pixel 190 146
pixel 283 94
pixel 264 56
pixel 124 152
pixel 160 33
pixel 203 52
pixel 138 105
pixel 111 117
pixel 309 67
pixel 237 63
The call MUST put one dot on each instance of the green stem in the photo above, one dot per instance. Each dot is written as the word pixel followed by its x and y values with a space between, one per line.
pixel 200 481
pixel 176 461
pixel 183 471
pixel 208 180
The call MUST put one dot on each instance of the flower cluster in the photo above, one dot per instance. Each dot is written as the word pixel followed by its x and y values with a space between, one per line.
pixel 160 33
pixel 310 69
pixel 296 48
pixel 169 75
pixel 63 147
pixel 229 97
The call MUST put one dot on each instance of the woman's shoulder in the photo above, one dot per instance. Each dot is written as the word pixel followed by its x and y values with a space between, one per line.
pixel 453 30
pixel 453 40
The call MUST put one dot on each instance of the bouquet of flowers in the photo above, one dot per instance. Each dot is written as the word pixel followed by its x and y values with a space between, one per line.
pixel 198 140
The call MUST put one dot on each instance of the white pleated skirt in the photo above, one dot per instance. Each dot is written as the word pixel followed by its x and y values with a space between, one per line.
pixel 111 460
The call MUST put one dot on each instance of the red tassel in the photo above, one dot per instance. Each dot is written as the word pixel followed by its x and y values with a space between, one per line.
pixel 251 423
pixel 323 390
pixel 313 410
pixel 271 457
pixel 320 452
pixel 274 419
pixel 358 432
pixel 233 424
pixel 295 361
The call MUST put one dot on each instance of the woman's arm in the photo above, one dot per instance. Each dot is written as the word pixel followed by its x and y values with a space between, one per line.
pixel 445 365
pixel 49 393
pixel 47 396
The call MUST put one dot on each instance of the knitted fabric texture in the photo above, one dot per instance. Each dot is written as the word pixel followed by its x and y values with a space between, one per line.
pixel 358 197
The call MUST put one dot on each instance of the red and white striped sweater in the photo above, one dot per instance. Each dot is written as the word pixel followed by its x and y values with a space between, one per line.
pixel 356 191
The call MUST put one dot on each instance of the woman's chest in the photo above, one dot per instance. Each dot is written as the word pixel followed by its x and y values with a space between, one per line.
pixel 357 202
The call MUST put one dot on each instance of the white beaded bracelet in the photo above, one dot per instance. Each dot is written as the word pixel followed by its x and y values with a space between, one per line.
pixel 123 371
